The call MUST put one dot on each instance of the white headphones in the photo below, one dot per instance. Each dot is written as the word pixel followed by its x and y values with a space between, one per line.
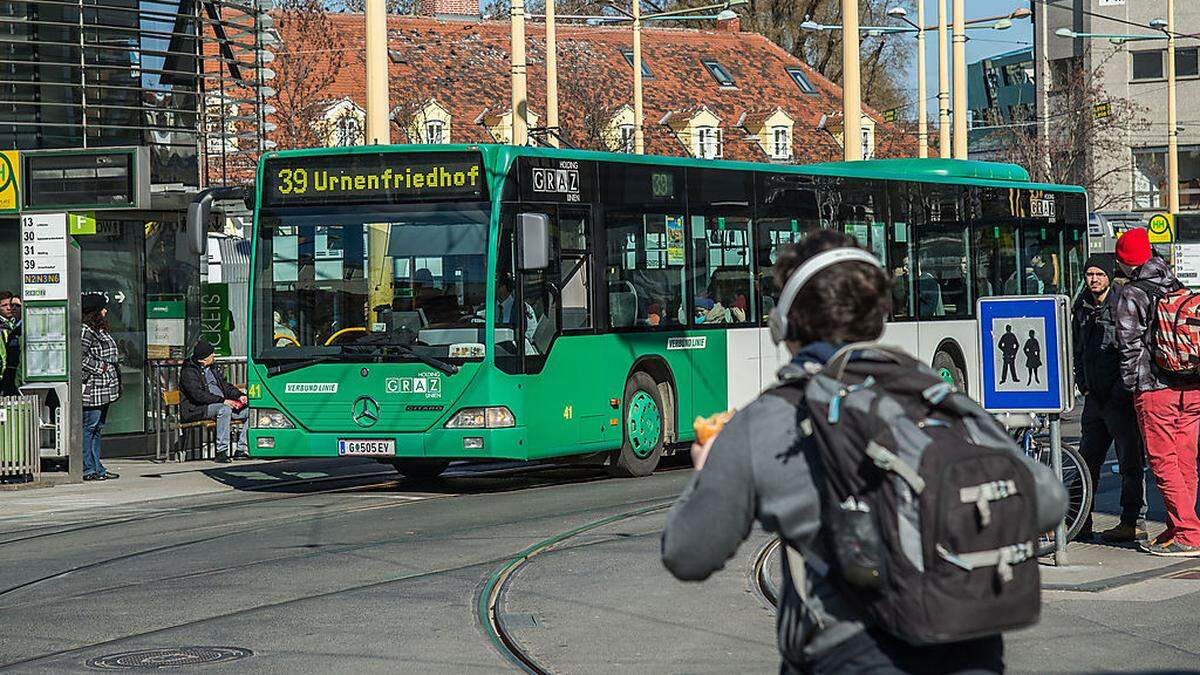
pixel 778 321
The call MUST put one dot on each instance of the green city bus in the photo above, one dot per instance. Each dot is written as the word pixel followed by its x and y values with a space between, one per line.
pixel 422 304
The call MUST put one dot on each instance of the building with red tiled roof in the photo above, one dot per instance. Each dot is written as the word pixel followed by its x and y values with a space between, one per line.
pixel 710 92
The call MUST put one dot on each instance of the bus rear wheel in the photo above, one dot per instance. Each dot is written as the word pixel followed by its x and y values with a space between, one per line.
pixel 644 429
pixel 420 469
pixel 948 369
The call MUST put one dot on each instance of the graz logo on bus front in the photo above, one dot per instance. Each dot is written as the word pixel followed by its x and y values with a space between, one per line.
pixel 564 180
pixel 428 385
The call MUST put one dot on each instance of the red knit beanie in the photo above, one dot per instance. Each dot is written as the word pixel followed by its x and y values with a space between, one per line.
pixel 1133 247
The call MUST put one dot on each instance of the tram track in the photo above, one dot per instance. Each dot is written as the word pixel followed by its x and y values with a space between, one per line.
pixel 760 576
pixel 491 596
pixel 650 505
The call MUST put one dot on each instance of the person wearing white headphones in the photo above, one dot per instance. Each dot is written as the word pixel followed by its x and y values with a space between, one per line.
pixel 757 468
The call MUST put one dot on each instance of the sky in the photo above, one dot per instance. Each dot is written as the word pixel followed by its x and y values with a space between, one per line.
pixel 982 43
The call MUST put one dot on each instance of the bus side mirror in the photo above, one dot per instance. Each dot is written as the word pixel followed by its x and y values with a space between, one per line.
pixel 198 213
pixel 534 244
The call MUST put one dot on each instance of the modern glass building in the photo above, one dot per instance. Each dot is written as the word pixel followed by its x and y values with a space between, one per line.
pixel 117 73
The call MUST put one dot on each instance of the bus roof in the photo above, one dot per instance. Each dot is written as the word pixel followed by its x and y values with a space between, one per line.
pixel 932 170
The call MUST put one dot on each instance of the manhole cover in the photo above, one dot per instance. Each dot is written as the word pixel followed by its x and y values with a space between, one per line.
pixel 168 657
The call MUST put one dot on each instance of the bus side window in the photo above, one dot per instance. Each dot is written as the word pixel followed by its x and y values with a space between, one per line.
pixel 900 248
pixel 942 255
pixel 645 269
pixel 721 274
pixel 785 212
pixel 575 268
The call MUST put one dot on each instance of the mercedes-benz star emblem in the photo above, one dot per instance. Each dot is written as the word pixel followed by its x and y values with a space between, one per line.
pixel 365 411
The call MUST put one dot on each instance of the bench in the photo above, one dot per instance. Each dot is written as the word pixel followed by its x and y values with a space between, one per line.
pixel 204 431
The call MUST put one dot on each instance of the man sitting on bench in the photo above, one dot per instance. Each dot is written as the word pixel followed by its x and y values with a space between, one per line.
pixel 207 395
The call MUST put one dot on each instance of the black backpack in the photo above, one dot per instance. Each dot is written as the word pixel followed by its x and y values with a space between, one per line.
pixel 930 511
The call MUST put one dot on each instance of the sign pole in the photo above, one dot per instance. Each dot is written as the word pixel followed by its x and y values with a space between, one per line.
pixel 72 417
pixel 1060 531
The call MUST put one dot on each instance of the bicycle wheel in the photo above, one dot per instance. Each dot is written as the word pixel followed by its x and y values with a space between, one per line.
pixel 1080 490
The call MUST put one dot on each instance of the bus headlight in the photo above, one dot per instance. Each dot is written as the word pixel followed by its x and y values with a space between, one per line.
pixel 498 417
pixel 270 418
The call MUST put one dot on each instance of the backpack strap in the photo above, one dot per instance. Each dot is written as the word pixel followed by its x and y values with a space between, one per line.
pixel 982 496
pixel 1001 558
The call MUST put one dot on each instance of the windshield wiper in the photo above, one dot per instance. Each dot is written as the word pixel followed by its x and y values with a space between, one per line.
pixel 290 366
pixel 447 368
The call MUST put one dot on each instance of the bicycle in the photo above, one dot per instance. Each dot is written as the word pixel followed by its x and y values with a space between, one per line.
pixel 1034 439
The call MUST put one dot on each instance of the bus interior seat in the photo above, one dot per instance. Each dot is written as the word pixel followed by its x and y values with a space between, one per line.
pixel 622 309
pixel 574 317
pixel 543 335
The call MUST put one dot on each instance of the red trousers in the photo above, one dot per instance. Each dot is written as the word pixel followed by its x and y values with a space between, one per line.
pixel 1170 420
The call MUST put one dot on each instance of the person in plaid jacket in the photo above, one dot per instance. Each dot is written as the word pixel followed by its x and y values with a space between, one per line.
pixel 101 382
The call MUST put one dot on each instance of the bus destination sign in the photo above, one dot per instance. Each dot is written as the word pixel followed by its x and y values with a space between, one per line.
pixel 372 178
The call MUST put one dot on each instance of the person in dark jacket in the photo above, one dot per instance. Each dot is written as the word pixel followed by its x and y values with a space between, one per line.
pixel 1108 415
pixel 1168 411
pixel 207 395
pixel 757 468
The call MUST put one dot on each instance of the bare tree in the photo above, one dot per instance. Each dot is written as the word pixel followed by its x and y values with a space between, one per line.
pixel 1088 135
pixel 305 69
pixel 393 6
pixel 885 58
pixel 588 101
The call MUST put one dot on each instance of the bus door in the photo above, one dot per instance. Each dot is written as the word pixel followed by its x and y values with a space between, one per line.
pixel 567 388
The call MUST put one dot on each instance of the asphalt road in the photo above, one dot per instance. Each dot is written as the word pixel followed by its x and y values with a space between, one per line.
pixel 379 575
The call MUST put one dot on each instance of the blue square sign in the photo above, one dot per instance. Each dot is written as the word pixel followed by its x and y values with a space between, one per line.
pixel 1025 354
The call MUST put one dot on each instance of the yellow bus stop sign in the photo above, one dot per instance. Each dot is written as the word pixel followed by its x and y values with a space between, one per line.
pixel 1161 228
pixel 10 181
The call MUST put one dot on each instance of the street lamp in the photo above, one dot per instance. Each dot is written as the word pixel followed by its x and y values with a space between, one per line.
pixel 1167 27
pixel 922 117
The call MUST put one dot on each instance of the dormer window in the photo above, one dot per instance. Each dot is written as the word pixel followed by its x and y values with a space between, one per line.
pixel 349 131
pixel 781 143
pixel 435 132
pixel 867 146
pixel 708 142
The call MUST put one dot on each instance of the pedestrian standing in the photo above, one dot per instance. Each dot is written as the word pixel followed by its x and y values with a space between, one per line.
pixel 1109 418
pixel 10 383
pixel 8 329
pixel 1033 358
pixel 101 382
pixel 767 465
pixel 1168 408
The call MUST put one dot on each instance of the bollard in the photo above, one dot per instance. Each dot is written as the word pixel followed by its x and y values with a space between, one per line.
pixel 1060 532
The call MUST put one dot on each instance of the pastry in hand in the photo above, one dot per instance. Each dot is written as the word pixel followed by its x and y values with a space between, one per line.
pixel 708 427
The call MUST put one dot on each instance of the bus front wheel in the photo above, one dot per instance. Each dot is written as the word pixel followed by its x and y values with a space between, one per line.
pixel 949 370
pixel 420 469
pixel 644 429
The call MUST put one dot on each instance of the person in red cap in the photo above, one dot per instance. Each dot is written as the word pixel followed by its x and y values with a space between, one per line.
pixel 1168 411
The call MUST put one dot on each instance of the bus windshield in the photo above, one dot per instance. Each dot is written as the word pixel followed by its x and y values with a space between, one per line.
pixel 321 289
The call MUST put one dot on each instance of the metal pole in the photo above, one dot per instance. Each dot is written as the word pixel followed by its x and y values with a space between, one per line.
pixel 639 137
pixel 551 76
pixel 960 81
pixel 943 84
pixel 71 412
pixel 1060 531
pixel 380 290
pixel 851 93
pixel 1172 121
pixel 922 116
pixel 520 102
pixel 378 132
